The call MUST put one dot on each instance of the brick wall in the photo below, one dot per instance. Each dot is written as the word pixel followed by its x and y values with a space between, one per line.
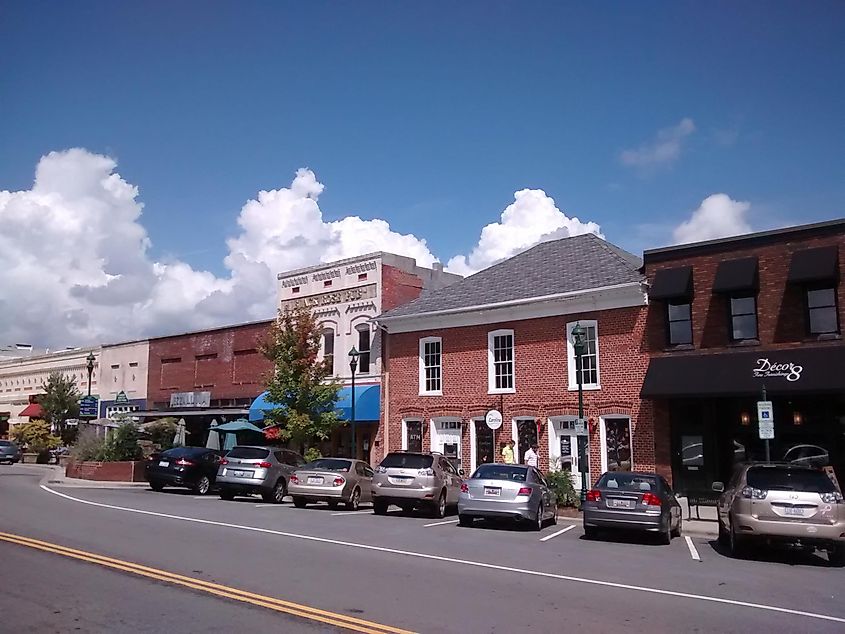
pixel 398 287
pixel 541 381
pixel 225 362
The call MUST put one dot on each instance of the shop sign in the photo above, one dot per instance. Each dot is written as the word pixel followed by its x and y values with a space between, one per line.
pixel 766 420
pixel 121 398
pixel 766 369
pixel 343 296
pixel 190 399
pixel 493 419
pixel 88 406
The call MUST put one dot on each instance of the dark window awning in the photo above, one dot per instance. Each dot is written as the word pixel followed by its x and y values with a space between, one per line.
pixel 810 370
pixel 672 283
pixel 735 276
pixel 814 265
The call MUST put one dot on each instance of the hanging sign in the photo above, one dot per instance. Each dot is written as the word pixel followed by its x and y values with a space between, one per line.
pixel 493 419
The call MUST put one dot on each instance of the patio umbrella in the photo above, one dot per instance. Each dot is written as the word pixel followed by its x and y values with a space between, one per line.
pixel 181 432
pixel 231 431
pixel 213 441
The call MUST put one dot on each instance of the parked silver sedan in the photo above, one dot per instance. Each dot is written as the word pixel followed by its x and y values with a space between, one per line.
pixel 632 501
pixel 332 480
pixel 505 491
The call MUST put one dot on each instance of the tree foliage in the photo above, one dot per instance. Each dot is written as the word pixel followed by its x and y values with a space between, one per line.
pixel 60 400
pixel 35 435
pixel 300 384
pixel 122 444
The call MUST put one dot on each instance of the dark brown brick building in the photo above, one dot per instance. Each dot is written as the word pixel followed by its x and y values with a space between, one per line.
pixel 727 318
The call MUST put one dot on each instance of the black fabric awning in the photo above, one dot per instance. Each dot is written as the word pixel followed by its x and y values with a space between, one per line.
pixel 814 265
pixel 672 283
pixel 791 371
pixel 736 275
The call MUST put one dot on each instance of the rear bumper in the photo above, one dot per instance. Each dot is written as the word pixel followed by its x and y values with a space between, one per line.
pixel 170 478
pixel 406 494
pixel 10 457
pixel 317 493
pixel 627 520
pixel 504 510
pixel 750 526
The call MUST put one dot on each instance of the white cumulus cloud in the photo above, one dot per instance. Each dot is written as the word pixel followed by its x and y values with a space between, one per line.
pixel 718 216
pixel 664 149
pixel 532 218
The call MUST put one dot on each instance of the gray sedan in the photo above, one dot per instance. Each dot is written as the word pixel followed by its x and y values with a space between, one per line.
pixel 332 480
pixel 10 452
pixel 504 491
pixel 632 501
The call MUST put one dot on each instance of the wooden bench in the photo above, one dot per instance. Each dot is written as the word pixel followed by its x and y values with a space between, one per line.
pixel 700 498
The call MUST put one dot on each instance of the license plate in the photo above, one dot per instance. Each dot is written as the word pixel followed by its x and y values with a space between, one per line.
pixel 163 463
pixel 790 510
pixel 239 474
pixel 620 504
pixel 315 480
pixel 400 481
pixel 492 491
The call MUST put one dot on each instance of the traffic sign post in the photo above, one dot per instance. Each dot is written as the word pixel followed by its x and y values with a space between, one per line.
pixel 766 422
pixel 580 426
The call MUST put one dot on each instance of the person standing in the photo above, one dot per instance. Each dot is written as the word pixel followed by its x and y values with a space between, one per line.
pixel 507 452
pixel 532 459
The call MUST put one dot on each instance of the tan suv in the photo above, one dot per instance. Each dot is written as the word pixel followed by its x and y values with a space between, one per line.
pixel 411 480
pixel 782 503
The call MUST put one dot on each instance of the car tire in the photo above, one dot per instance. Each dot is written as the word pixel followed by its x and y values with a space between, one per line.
pixel 591 532
pixel 554 516
pixel 158 487
pixel 678 528
pixel 380 508
pixel 539 523
pixel 332 504
pixel 227 495
pixel 203 486
pixel 465 520
pixel 299 502
pixel 277 494
pixel 836 556
pixel 407 509
pixel 438 509
pixel 665 537
pixel 354 502
pixel 724 538
pixel 736 544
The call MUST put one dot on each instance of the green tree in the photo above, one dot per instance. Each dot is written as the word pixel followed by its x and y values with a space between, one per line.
pixel 299 383
pixel 122 444
pixel 59 401
pixel 37 438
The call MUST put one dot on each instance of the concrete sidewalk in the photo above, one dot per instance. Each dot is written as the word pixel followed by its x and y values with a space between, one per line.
pixel 54 475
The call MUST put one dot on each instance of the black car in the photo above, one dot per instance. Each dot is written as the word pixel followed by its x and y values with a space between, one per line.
pixel 191 467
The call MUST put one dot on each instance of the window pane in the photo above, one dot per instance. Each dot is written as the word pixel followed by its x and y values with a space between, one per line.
pixel 503 361
pixel 680 332
pixel 821 297
pixel 823 320
pixel 743 306
pixel 745 327
pixel 364 349
pixel 679 312
pixel 618 444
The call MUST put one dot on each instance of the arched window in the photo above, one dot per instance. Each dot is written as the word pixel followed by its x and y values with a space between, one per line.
pixel 328 347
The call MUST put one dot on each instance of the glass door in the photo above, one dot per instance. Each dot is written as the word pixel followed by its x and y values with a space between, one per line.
pixel 564 449
pixel 484 448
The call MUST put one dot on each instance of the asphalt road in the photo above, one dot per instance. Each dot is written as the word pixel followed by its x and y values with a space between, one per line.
pixel 403 572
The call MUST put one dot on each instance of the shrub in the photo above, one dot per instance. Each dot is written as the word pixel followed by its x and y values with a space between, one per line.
pixel 36 436
pixel 312 454
pixel 162 432
pixel 561 483
pixel 122 444
pixel 89 446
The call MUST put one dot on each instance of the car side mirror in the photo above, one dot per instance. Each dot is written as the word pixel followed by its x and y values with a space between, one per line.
pixel 461 472
pixel 718 487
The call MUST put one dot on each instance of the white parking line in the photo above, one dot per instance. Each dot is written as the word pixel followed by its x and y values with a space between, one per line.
pixel 441 523
pixel 556 533
pixel 692 550
pixel 463 562
pixel 277 506
pixel 204 497
pixel 370 511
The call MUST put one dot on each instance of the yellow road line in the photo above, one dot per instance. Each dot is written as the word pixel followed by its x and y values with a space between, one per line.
pixel 272 603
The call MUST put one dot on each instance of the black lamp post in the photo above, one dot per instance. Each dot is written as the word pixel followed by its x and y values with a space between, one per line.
pixel 579 343
pixel 353 365
pixel 90 359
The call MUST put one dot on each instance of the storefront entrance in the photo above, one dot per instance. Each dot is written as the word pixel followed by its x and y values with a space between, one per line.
pixel 446 438
pixel 564 448
pixel 526 435
pixel 484 447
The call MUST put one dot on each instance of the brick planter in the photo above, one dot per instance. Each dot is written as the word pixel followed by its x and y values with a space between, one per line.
pixel 106 471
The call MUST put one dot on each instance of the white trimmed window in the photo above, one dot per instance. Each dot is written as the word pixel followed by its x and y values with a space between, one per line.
pixel 589 360
pixel 500 362
pixel 363 348
pixel 431 368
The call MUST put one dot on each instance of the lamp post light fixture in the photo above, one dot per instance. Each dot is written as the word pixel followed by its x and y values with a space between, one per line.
pixel 353 365
pixel 579 344
pixel 90 359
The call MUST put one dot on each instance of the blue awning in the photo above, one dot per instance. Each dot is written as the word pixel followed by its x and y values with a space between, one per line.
pixel 367 404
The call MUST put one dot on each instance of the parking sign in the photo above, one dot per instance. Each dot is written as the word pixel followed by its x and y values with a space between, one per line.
pixel 765 420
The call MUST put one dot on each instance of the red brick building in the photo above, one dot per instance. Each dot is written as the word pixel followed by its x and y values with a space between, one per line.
pixel 500 340
pixel 728 317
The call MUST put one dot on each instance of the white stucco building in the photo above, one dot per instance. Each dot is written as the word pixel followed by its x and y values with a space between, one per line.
pixel 124 378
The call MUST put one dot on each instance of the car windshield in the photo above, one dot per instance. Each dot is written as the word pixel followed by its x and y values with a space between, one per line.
pixel 181 452
pixel 329 464
pixel 500 472
pixel 249 453
pixel 5 443
pixel 406 461
pixel 628 481
pixel 787 479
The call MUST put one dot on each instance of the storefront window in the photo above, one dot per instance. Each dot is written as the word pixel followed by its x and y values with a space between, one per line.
pixel 743 318
pixel 617 443
pixel 692 451
pixel 328 347
pixel 483 443
pixel 680 323
pixel 413 433
pixel 364 349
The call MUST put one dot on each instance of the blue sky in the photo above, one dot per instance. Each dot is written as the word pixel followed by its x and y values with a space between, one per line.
pixel 431 115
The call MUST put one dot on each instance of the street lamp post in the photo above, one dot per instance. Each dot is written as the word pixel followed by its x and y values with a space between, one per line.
pixel 90 359
pixel 579 343
pixel 353 365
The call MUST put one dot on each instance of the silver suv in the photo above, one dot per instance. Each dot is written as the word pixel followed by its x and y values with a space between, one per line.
pixel 782 503
pixel 264 470
pixel 412 480
pixel 10 452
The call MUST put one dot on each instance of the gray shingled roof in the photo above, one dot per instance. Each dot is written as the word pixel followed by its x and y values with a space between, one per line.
pixel 571 264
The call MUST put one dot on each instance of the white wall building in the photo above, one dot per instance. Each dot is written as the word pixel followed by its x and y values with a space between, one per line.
pixel 124 378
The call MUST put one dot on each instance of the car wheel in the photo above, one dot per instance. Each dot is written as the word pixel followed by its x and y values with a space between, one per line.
pixel 539 523
pixel 380 508
pixel 407 508
pixel 203 486
pixel 464 520
pixel 736 543
pixel 439 509
pixel 678 528
pixel 227 495
pixel 665 537
pixel 836 556
pixel 554 516
pixel 724 539
pixel 299 502
pixel 278 493
pixel 354 501
pixel 591 532
pixel 156 486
